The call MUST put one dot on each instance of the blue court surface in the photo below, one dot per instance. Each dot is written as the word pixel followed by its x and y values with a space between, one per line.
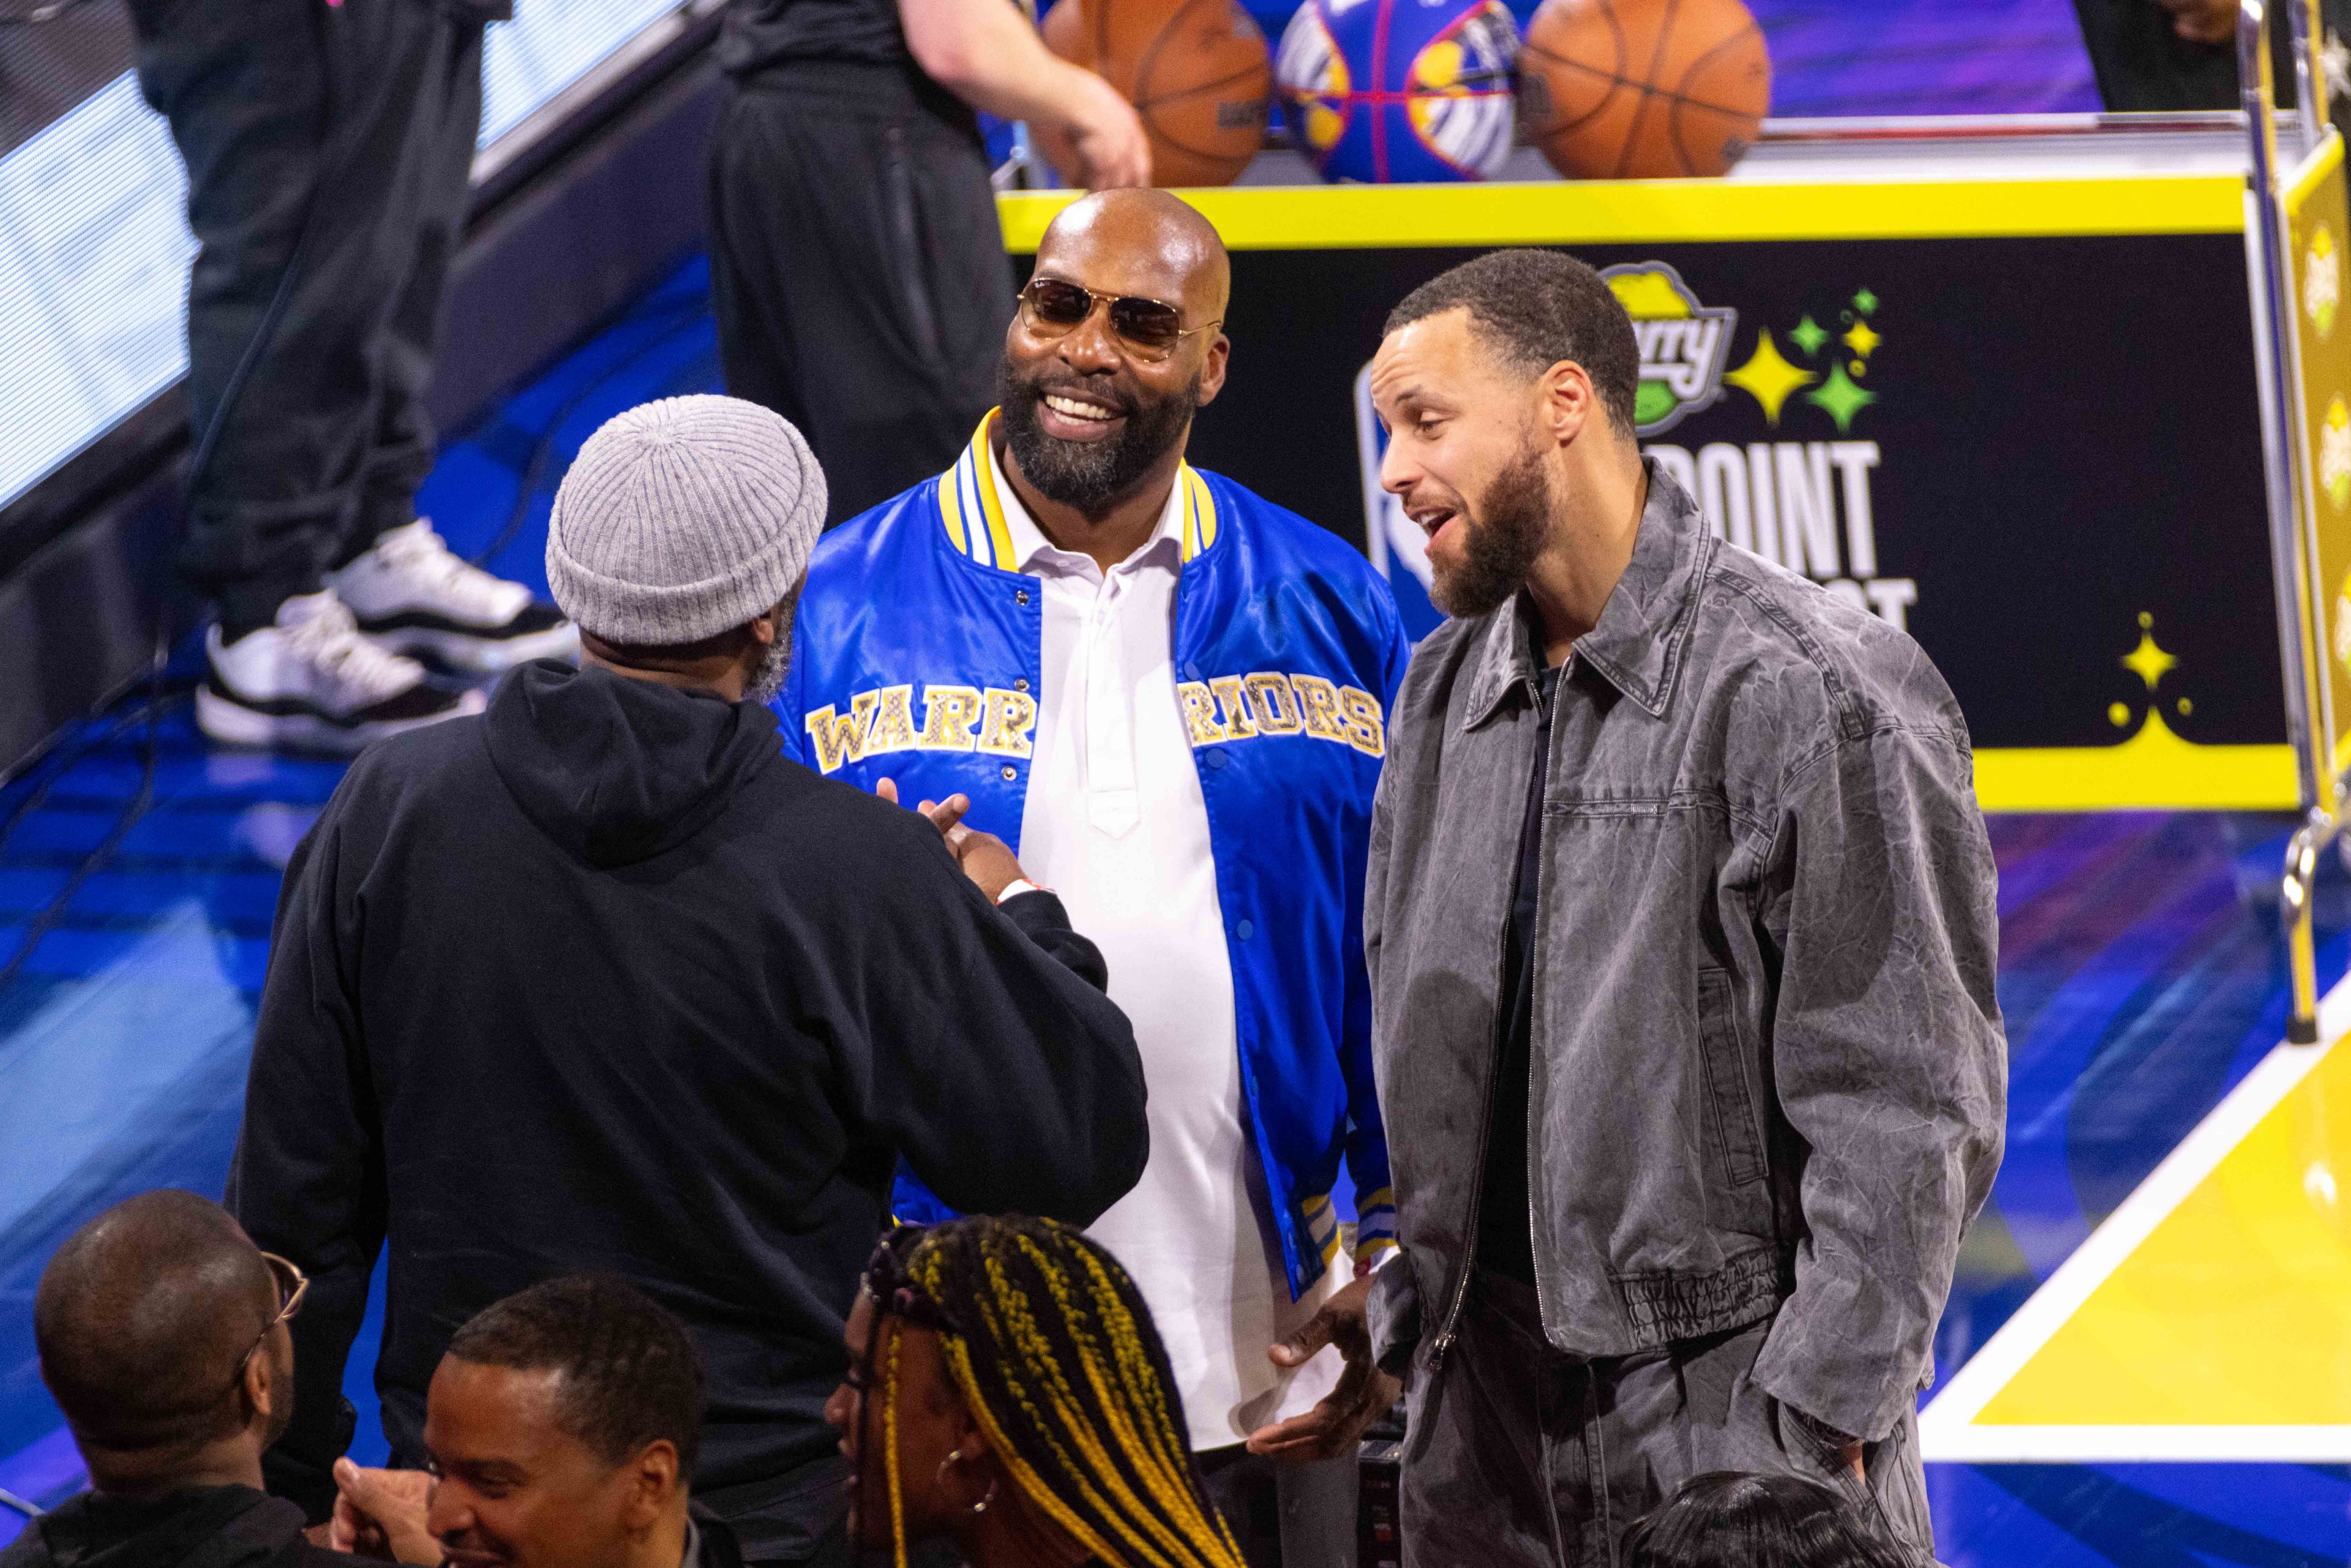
pixel 2146 1358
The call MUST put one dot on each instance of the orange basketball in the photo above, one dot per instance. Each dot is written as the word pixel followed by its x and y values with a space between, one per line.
pixel 1643 90
pixel 1196 71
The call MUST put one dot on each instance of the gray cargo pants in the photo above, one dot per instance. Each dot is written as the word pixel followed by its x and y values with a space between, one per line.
pixel 1517 1455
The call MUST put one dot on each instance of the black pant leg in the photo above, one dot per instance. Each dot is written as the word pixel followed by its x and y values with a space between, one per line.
pixel 860 279
pixel 446 126
pixel 296 121
pixel 756 347
pixel 1285 1515
pixel 1492 1440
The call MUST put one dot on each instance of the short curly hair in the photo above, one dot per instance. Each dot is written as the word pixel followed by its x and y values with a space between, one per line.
pixel 1536 307
pixel 629 1373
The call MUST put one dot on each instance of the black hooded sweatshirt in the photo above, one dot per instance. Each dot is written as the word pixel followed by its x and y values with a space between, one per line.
pixel 202 1527
pixel 601 980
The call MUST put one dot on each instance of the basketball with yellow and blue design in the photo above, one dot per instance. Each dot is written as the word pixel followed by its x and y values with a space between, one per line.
pixel 1398 90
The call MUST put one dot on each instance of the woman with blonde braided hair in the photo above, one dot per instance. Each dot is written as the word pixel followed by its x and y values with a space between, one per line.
pixel 1009 1393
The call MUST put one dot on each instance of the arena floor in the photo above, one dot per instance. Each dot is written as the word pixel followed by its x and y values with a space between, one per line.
pixel 2177 1391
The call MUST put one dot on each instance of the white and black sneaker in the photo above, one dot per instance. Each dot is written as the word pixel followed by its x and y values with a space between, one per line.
pixel 312 682
pixel 412 594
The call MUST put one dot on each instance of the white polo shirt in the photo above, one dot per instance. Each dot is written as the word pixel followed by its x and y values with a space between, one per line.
pixel 1114 823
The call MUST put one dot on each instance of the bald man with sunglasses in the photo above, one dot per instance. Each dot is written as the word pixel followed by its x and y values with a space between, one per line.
pixel 1170 695
pixel 160 1330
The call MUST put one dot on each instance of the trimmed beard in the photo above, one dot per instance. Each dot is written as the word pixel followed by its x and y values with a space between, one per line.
pixel 1090 475
pixel 1501 544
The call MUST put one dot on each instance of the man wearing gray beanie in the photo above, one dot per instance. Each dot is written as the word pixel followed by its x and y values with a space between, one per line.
pixel 600 979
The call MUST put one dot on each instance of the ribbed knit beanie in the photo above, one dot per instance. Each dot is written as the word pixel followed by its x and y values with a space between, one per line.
pixel 683 519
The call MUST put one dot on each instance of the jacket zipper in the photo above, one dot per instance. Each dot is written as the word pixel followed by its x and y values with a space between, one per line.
pixel 1477 1193
pixel 1446 1334
pixel 1534 980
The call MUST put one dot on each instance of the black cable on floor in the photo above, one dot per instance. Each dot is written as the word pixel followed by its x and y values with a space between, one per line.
pixel 152 711
pixel 71 757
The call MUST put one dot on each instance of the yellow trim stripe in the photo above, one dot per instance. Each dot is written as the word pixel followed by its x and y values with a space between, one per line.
pixel 1203 505
pixel 1617 212
pixel 2108 778
pixel 1331 1249
pixel 951 503
pixel 1382 1198
pixel 999 538
pixel 2326 157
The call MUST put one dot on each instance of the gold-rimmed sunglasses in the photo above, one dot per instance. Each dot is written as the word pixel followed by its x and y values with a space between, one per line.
pixel 292 1286
pixel 1054 307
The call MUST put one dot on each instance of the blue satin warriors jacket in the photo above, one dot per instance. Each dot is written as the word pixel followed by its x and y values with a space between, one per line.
pixel 918 656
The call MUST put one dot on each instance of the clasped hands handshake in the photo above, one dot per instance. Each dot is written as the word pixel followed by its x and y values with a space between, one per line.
pixel 382 1514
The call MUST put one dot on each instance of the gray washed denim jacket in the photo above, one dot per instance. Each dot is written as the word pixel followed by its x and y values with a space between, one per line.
pixel 1769 1074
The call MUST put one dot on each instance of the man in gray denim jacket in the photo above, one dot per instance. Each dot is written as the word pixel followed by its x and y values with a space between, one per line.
pixel 1681 926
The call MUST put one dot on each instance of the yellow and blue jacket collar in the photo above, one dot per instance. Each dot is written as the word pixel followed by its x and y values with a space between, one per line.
pixel 974 514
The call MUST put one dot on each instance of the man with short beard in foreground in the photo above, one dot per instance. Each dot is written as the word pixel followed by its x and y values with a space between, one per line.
pixel 1171 695
pixel 162 1331
pixel 1682 941
pixel 599 980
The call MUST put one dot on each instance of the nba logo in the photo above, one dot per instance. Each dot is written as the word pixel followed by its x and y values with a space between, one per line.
pixel 1398 548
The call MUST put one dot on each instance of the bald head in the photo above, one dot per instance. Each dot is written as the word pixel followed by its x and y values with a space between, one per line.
pixel 141 1318
pixel 1095 416
pixel 1164 248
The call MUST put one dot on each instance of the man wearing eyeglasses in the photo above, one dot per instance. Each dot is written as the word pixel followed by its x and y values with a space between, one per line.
pixel 1171 695
pixel 160 1330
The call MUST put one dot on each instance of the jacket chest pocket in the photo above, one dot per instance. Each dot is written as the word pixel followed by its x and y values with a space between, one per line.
pixel 1729 1095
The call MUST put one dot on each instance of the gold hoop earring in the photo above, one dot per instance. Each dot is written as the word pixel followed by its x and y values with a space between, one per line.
pixel 955 1457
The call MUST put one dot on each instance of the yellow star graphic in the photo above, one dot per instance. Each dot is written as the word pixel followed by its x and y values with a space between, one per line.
pixel 1769 378
pixel 2147 661
pixel 1862 340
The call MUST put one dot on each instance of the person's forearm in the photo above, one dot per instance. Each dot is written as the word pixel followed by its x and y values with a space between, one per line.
pixel 986 54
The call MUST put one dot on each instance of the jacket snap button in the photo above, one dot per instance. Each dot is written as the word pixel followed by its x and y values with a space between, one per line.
pixel 1243 930
pixel 1021 596
pixel 1021 684
pixel 1010 773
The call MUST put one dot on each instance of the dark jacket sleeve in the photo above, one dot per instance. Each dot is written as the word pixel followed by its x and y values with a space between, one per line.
pixel 1044 921
pixel 1002 1075
pixel 307 1180
pixel 1889 1062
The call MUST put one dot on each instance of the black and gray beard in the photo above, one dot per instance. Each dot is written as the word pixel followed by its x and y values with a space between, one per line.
pixel 1091 475
pixel 767 679
pixel 1501 543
